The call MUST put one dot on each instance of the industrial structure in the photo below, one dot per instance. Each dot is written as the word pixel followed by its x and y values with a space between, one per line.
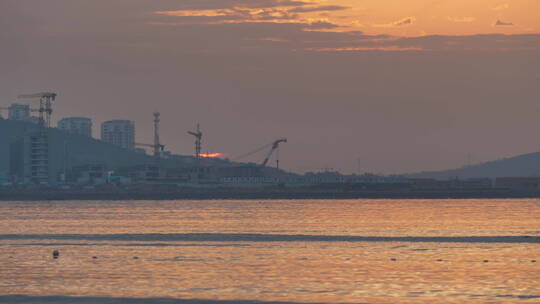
pixel 39 155
pixel 274 147
pixel 157 147
pixel 76 125
pixel 45 107
pixel 198 141
pixel 119 132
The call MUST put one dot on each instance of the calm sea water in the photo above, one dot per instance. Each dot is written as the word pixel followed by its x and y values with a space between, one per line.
pixel 324 251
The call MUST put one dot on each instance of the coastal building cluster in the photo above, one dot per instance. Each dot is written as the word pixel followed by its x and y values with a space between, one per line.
pixel 116 132
pixel 72 158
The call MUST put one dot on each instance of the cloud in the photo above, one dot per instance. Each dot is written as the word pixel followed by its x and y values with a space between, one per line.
pixel 222 4
pixel 434 43
pixel 325 8
pixel 501 7
pixel 269 11
pixel 399 23
pixel 320 25
pixel 391 48
pixel 461 19
pixel 231 15
pixel 502 23
pixel 240 29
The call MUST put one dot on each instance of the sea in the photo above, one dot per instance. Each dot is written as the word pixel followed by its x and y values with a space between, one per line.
pixel 269 251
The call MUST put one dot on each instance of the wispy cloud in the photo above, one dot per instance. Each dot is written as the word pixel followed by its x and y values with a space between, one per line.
pixel 262 11
pixel 399 23
pixel 501 7
pixel 461 19
pixel 502 23
pixel 320 25
pixel 298 26
pixel 236 13
pixel 310 9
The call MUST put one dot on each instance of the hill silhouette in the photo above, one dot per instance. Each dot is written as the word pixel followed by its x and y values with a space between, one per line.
pixel 526 165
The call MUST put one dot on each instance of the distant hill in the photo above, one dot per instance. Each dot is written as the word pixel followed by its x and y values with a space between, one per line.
pixel 526 165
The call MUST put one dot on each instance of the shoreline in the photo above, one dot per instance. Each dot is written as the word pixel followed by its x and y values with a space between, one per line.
pixel 125 195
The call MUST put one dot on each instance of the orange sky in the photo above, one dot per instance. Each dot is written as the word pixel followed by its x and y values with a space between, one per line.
pixel 395 17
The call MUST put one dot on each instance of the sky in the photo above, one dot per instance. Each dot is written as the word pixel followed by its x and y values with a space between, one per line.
pixel 381 86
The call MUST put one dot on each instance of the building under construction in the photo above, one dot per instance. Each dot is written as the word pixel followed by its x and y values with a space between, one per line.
pixel 30 161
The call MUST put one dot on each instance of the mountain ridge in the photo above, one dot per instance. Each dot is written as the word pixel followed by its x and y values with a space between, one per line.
pixel 524 165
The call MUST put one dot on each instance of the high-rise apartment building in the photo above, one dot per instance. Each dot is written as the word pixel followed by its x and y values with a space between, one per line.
pixel 76 125
pixel 19 112
pixel 119 132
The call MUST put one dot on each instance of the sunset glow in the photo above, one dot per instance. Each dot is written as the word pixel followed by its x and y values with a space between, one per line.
pixel 411 18
pixel 212 155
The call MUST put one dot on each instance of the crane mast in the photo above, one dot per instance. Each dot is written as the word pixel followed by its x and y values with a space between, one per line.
pixel 198 141
pixel 156 146
pixel 45 107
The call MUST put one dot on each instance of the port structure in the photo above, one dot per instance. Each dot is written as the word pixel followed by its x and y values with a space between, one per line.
pixel 157 147
pixel 39 143
pixel 274 147
pixel 198 141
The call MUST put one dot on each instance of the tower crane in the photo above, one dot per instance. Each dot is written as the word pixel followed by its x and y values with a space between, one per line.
pixel 198 141
pixel 45 106
pixel 157 146
pixel 39 154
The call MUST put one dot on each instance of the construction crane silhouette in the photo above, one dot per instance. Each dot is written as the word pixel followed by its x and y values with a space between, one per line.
pixel 198 141
pixel 157 146
pixel 274 146
pixel 45 106
pixel 39 154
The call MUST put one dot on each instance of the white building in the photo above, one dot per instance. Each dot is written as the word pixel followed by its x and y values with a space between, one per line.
pixel 119 132
pixel 76 125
